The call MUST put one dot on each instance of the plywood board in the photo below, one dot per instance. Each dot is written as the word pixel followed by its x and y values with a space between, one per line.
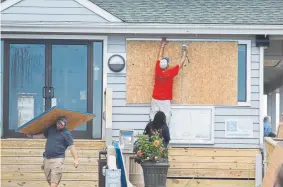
pixel 210 78
pixel 275 161
pixel 280 130
pixel 48 118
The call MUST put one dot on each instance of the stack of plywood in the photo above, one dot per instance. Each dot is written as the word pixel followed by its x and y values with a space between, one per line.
pixel 21 162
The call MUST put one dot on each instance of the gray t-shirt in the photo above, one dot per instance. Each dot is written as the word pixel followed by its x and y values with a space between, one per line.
pixel 57 142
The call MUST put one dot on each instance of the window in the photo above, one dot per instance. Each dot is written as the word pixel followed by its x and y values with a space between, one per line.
pixel 244 59
pixel 242 73
pixel 1 86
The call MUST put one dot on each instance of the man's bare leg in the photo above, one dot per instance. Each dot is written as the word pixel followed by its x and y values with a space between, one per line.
pixel 54 185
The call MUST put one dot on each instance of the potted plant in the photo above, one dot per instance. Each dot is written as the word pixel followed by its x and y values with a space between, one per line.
pixel 153 158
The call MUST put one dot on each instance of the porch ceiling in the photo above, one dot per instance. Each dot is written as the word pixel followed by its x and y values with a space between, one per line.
pixel 273 66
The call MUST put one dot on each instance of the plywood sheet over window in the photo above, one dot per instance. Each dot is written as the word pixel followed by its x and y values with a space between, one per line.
pixel 210 78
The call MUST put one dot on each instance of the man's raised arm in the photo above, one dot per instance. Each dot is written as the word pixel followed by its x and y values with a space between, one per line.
pixel 184 55
pixel 161 49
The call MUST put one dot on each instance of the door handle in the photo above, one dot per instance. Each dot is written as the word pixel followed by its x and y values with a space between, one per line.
pixel 44 92
pixel 52 92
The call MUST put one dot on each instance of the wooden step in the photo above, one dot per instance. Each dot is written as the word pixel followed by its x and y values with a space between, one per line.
pixel 40 143
pixel 21 161
pixel 39 176
pixel 82 153
pixel 37 168
pixel 24 183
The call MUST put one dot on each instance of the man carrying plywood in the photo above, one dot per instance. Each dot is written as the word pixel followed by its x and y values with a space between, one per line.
pixel 163 85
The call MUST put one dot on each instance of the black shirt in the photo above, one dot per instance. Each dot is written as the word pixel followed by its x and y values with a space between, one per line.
pixel 57 142
pixel 165 132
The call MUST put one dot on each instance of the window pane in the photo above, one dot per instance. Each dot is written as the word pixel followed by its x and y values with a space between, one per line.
pixel 97 87
pixel 1 87
pixel 69 78
pixel 242 73
pixel 26 77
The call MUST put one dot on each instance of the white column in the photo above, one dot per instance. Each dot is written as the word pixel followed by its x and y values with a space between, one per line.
pixel 281 104
pixel 271 109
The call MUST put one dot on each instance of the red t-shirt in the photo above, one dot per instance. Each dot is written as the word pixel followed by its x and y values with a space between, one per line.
pixel 163 85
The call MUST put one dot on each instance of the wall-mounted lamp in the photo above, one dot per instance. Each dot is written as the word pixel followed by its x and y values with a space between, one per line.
pixel 116 63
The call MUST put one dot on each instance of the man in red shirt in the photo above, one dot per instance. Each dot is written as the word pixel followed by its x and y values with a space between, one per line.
pixel 163 85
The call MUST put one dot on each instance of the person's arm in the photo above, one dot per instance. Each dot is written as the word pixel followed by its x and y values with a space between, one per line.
pixel 74 153
pixel 36 136
pixel 70 144
pixel 184 55
pixel 166 133
pixel 161 49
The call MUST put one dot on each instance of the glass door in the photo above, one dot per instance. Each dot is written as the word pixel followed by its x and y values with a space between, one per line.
pixel 71 81
pixel 24 79
pixel 40 74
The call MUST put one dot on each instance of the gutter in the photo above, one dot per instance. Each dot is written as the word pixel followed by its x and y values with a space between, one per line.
pixel 140 28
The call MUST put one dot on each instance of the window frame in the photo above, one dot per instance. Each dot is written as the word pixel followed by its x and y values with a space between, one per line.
pixel 247 42
pixel 248 73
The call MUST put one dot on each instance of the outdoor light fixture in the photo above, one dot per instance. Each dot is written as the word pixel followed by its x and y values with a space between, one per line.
pixel 116 63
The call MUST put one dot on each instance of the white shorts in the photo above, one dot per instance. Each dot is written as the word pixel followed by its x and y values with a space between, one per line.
pixel 161 105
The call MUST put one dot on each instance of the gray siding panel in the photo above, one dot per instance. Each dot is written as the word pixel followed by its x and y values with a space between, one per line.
pixel 50 11
pixel 135 116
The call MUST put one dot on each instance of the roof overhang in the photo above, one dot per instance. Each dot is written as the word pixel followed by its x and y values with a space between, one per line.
pixel 140 28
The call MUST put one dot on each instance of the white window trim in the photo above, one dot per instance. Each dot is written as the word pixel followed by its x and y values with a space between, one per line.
pixel 248 75
pixel 248 65
pixel 73 37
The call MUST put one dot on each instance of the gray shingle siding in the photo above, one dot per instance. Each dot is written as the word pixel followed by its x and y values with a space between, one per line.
pixel 196 11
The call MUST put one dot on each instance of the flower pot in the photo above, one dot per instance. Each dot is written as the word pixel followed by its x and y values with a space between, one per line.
pixel 155 173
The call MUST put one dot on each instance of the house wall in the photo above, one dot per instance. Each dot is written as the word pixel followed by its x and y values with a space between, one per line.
pixel 50 11
pixel 136 117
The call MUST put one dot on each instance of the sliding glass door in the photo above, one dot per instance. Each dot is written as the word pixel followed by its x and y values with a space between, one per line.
pixel 43 74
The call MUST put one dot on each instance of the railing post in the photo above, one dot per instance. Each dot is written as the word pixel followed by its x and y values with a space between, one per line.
pixel 108 116
pixel 258 170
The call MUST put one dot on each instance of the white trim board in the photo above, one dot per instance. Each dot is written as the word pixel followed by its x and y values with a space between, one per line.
pixel 261 95
pixel 8 3
pixel 137 28
pixel 86 3
pixel 96 9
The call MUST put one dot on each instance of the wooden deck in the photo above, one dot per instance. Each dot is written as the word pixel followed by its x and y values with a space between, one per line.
pixel 21 161
pixel 202 167
pixel 190 167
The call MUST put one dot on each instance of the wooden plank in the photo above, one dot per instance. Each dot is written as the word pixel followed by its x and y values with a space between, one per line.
pixel 276 161
pixel 39 176
pixel 37 168
pixel 213 152
pixel 38 152
pixel 40 143
pixel 210 183
pixel 211 159
pixel 216 165
pixel 39 160
pixel 211 173
pixel 25 183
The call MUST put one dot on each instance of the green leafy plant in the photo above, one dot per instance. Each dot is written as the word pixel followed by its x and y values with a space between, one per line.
pixel 150 148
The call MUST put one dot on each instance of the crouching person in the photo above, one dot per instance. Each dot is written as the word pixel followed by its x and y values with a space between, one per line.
pixel 59 139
